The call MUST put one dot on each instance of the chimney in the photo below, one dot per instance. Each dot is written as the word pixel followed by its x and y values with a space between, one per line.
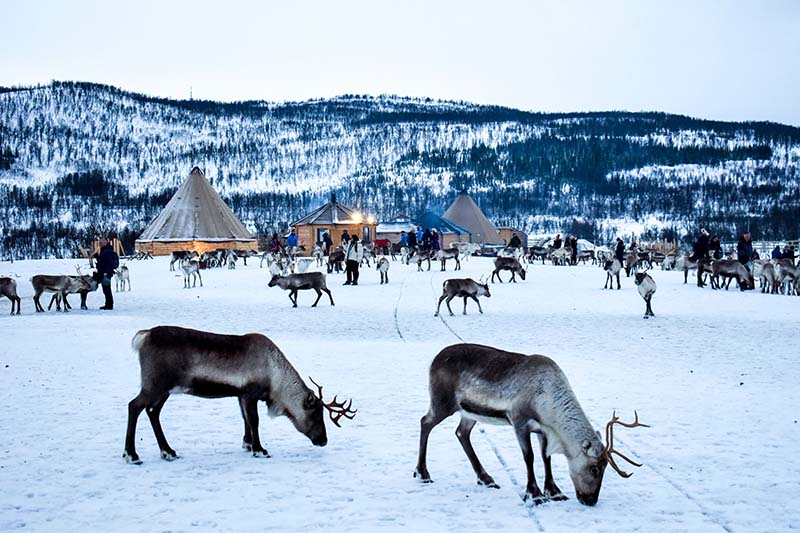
pixel 333 197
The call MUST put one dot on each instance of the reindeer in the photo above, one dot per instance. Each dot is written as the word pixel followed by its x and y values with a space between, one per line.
pixel 178 256
pixel 123 275
pixel 91 285
pixel 244 254
pixel 191 269
pixel 318 253
pixel 301 264
pixel 646 286
pixel 230 259
pixel 301 282
pixel 444 255
pixel 768 277
pixel 464 288
pixel 382 266
pixel 631 263
pixel 336 260
pixel 8 288
pixel 729 268
pixel 250 367
pixel 612 268
pixel 561 256
pixel 787 274
pixel 531 394
pixel 507 263
pixel 423 255
pixel 685 264
pixel 539 252
pixel 62 285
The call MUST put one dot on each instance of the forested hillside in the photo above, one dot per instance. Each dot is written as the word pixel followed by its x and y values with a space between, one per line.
pixel 77 158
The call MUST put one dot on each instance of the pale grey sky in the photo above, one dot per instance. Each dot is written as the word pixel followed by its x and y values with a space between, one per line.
pixel 724 60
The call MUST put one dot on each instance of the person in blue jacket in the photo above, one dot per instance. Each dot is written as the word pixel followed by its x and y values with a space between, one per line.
pixel 403 239
pixel 107 264
pixel 776 252
pixel 292 239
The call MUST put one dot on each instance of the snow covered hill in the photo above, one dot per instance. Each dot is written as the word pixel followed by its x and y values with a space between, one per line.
pixel 77 158
pixel 715 374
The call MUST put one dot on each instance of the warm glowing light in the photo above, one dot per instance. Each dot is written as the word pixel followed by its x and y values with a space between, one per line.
pixel 371 219
pixel 356 217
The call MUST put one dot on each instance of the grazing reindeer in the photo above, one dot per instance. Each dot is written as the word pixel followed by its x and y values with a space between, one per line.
pixel 529 393
pixel 507 263
pixel 612 268
pixel 336 260
pixel 631 263
pixel 302 282
pixel 444 255
pixel 647 288
pixel 177 257
pixel 730 268
pixel 685 264
pixel 61 285
pixel 768 278
pixel 123 276
pixel 382 266
pixel 209 365
pixel 244 254
pixel 465 288
pixel 8 288
pixel 191 269
pixel 787 274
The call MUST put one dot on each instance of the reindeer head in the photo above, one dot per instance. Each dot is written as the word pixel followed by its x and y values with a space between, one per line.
pixel 587 469
pixel 273 281
pixel 640 277
pixel 315 425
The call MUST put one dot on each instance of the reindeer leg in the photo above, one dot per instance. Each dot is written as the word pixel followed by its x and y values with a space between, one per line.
pixel 458 264
pixel 154 413
pixel 435 415
pixel 439 305
pixel 135 408
pixel 293 297
pixel 551 490
pixel 532 491
pixel 480 310
pixel 251 418
pixel 465 305
pixel 319 295
pixel 199 277
pixel 462 433
pixel 649 306
pixel 449 298
pixel 247 439
pixel 619 286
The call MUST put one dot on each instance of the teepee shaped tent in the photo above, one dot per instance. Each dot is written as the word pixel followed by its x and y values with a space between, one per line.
pixel 195 218
pixel 466 213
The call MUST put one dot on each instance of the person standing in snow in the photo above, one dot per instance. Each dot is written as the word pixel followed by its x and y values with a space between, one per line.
pixel 403 239
pixel 557 242
pixel 426 239
pixel 345 239
pixel 435 241
pixel 327 243
pixel 700 247
pixel 619 252
pixel 776 252
pixel 292 240
pixel 353 255
pixel 744 250
pixel 107 263
pixel 412 240
pixel 715 248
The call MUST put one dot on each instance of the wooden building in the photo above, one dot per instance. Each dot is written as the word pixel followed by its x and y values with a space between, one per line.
pixel 507 232
pixel 195 219
pixel 333 218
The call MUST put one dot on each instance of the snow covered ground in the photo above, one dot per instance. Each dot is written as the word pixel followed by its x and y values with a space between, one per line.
pixel 715 373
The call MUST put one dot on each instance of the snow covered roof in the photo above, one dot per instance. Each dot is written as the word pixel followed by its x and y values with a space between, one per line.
pixel 466 213
pixel 331 213
pixel 196 212
pixel 433 221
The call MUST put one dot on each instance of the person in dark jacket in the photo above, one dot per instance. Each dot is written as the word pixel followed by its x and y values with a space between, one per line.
pixel 412 239
pixel 345 239
pixel 557 242
pixel 700 247
pixel 572 241
pixel 435 241
pixel 788 253
pixel 776 252
pixel 327 242
pixel 426 239
pixel 619 252
pixel 744 250
pixel 715 248
pixel 275 243
pixel 514 242
pixel 107 264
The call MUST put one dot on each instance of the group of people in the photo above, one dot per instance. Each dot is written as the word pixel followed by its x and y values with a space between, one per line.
pixel 708 247
pixel 572 243
pixel 424 240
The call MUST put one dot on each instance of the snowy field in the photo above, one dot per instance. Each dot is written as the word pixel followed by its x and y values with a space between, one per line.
pixel 715 373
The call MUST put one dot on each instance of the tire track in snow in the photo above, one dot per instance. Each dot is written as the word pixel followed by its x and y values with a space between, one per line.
pixel 520 489
pixel 396 305
pixel 442 318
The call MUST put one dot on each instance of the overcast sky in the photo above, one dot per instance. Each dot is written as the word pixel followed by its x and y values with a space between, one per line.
pixel 714 59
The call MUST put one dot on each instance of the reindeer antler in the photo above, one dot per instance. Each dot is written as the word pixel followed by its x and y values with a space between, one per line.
pixel 609 451
pixel 336 410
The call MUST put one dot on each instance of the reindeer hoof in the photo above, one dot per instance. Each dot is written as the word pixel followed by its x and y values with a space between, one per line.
pixel 423 478
pixel 131 459
pixel 487 481
pixel 246 446
pixel 261 454
pixel 536 500
pixel 169 455
pixel 646 317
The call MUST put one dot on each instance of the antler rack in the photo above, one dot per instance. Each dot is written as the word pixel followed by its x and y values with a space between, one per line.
pixel 336 410
pixel 610 451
